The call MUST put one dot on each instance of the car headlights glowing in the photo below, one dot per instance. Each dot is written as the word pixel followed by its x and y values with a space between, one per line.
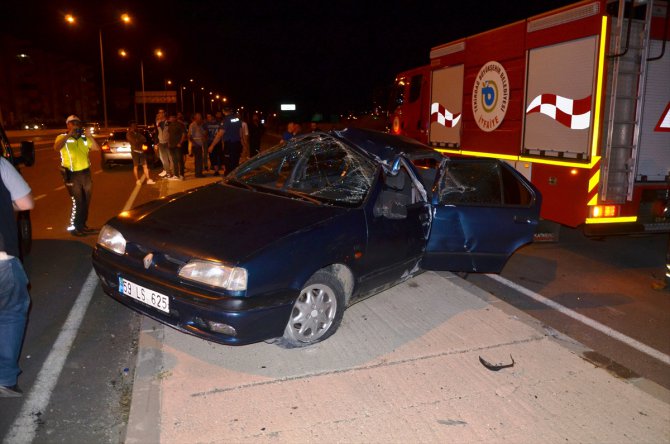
pixel 215 274
pixel 111 239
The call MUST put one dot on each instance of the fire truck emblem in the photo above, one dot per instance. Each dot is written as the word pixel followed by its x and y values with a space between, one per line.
pixel 441 115
pixel 490 96
pixel 575 114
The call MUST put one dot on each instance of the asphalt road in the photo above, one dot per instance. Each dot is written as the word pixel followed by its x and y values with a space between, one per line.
pixel 611 281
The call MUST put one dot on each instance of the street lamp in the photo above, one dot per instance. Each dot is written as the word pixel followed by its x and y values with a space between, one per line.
pixel 125 18
pixel 158 53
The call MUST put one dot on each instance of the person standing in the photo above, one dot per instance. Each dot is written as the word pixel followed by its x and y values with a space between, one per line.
pixel 176 137
pixel 136 140
pixel 232 139
pixel 15 195
pixel 215 150
pixel 184 144
pixel 198 138
pixel 163 151
pixel 75 167
pixel 256 131
pixel 288 134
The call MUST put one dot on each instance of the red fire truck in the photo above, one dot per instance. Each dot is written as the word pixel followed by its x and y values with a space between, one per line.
pixel 577 99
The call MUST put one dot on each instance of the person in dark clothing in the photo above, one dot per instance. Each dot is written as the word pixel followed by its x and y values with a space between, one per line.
pixel 232 139
pixel 176 136
pixel 215 150
pixel 198 138
pixel 15 194
pixel 256 131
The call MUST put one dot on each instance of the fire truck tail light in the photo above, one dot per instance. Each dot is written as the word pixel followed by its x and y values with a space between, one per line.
pixel 604 211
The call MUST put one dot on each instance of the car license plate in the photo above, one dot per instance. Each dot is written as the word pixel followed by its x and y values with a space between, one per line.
pixel 144 295
pixel 123 149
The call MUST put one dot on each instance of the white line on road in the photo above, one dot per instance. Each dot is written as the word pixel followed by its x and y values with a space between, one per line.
pixel 585 320
pixel 24 428
pixel 39 197
pixel 25 425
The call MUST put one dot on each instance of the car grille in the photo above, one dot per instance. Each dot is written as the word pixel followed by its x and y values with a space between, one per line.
pixel 161 262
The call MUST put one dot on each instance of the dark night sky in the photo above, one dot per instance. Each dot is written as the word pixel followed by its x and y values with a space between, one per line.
pixel 331 55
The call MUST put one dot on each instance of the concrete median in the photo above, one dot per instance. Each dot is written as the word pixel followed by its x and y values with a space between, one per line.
pixel 403 367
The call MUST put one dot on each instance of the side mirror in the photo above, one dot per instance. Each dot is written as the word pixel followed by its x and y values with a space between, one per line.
pixel 27 153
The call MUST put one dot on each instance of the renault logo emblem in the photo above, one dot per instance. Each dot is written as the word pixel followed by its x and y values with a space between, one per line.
pixel 148 259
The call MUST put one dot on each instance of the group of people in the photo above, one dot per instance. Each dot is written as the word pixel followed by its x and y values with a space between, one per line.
pixel 218 141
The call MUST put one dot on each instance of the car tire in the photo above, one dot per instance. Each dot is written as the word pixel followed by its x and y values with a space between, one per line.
pixel 316 313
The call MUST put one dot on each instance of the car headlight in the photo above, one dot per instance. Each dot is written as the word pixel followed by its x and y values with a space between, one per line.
pixel 111 239
pixel 215 274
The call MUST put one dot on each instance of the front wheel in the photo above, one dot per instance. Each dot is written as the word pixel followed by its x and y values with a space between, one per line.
pixel 317 313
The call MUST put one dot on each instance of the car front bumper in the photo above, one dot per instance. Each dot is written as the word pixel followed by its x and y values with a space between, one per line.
pixel 253 318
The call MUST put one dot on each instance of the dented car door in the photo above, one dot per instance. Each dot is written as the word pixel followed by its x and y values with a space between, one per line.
pixel 483 211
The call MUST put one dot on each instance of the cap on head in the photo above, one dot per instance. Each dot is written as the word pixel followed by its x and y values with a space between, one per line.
pixel 72 118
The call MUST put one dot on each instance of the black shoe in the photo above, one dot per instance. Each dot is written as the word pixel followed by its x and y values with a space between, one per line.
pixel 77 233
pixel 10 392
pixel 89 230
pixel 216 172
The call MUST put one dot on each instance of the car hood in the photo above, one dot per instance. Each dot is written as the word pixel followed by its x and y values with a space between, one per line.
pixel 220 222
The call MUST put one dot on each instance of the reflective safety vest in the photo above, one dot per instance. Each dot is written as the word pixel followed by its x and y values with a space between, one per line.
pixel 74 154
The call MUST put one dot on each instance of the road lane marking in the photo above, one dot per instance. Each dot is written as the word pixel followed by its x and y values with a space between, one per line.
pixel 133 195
pixel 24 428
pixel 39 197
pixel 639 346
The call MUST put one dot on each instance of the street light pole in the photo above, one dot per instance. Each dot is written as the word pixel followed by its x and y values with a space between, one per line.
pixel 102 69
pixel 144 99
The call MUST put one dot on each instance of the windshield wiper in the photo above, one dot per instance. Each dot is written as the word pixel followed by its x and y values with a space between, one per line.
pixel 304 196
pixel 240 184
pixel 292 193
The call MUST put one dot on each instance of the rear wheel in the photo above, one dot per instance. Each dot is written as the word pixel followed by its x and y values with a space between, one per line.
pixel 317 313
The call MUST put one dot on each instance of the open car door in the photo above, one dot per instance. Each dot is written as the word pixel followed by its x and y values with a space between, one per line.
pixel 483 211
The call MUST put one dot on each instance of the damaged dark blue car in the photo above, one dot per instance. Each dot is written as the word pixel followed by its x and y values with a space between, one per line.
pixel 282 245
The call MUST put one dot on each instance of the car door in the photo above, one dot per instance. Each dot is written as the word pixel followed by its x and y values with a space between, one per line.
pixel 483 210
pixel 398 222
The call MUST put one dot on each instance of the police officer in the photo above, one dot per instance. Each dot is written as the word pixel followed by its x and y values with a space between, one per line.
pixel 73 147
pixel 232 139
pixel 15 194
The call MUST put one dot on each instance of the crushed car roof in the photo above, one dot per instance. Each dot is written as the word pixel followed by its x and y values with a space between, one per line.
pixel 386 146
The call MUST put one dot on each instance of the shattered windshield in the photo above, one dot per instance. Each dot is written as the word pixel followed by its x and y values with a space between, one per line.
pixel 317 167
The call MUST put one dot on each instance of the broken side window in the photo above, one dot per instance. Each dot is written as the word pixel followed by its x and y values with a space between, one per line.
pixel 471 182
